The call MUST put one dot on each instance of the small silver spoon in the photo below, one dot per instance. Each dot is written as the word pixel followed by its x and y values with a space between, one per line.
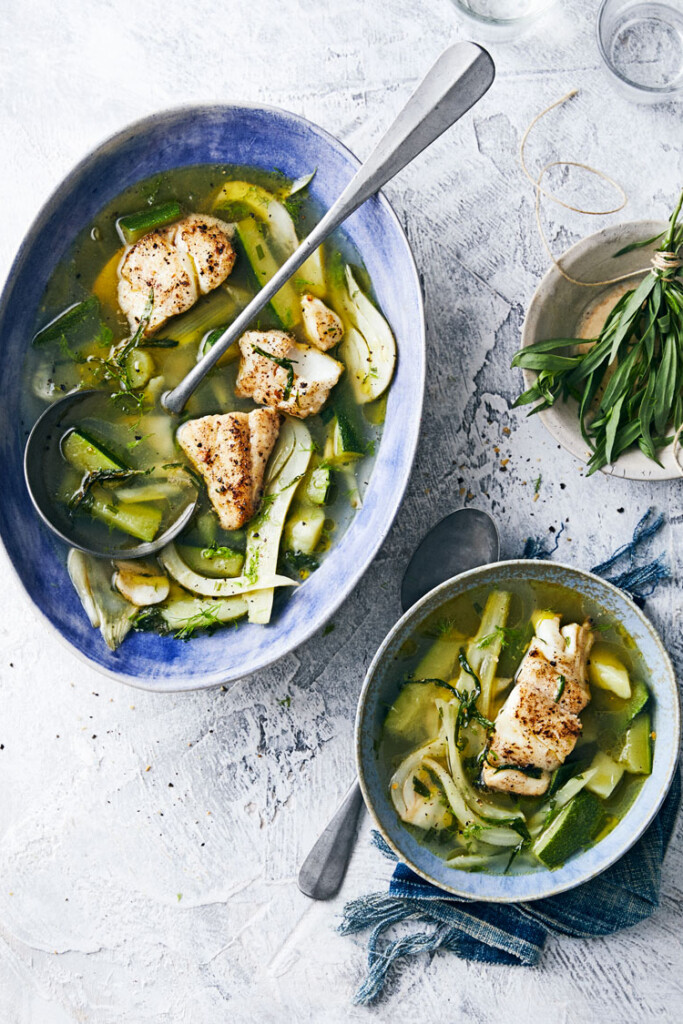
pixel 460 541
pixel 460 77
pixel 41 440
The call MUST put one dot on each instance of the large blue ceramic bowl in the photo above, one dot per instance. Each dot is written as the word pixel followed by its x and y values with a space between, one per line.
pixel 379 692
pixel 262 137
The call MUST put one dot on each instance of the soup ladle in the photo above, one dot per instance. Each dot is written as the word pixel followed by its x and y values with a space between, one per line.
pixel 43 442
pixel 460 77
pixel 462 540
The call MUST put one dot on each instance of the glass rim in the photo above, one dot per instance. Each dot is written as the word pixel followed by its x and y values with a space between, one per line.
pixel 486 19
pixel 672 89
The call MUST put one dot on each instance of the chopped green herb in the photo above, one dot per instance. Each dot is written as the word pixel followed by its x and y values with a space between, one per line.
pixel 285 364
pixel 420 787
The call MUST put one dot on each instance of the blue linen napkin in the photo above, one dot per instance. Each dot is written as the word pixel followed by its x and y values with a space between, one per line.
pixel 515 934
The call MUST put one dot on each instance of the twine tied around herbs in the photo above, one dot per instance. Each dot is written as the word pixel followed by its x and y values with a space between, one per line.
pixel 662 262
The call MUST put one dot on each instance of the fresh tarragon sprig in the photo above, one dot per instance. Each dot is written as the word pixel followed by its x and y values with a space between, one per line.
pixel 632 372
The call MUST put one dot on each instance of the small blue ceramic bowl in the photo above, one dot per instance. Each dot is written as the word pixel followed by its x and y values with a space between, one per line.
pixel 379 691
pixel 261 137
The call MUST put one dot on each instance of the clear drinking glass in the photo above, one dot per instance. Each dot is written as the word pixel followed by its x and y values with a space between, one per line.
pixel 641 42
pixel 502 19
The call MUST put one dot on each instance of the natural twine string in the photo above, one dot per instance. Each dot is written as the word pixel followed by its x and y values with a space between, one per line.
pixel 661 261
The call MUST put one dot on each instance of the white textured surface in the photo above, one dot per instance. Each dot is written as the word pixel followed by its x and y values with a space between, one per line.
pixel 169 894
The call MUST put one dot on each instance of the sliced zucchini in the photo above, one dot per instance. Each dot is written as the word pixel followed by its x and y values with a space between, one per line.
pixel 414 715
pixel 286 302
pixel 71 322
pixel 574 828
pixel 240 200
pixel 214 562
pixel 288 464
pixel 564 773
pixel 133 226
pixel 608 672
pixel 209 340
pixel 635 750
pixel 606 774
pixel 139 368
pixel 303 530
pixel 87 455
pixel 615 715
pixel 138 520
pixel 317 485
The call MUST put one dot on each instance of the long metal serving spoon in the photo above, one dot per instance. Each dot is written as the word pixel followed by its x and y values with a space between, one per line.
pixel 461 541
pixel 460 77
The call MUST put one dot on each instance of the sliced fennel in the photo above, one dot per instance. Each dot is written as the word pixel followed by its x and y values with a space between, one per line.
pixel 104 606
pixel 476 800
pixel 253 201
pixel 288 464
pixel 401 777
pixel 483 651
pixel 216 587
pixel 368 348
pixel 190 613
pixel 141 584
pixel 496 835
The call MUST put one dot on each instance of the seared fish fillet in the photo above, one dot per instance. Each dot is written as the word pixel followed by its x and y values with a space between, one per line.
pixel 207 241
pixel 264 373
pixel 178 263
pixel 231 452
pixel 322 325
pixel 539 723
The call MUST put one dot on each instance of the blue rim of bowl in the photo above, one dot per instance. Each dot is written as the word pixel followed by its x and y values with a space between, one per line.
pixel 411 435
pixel 552 890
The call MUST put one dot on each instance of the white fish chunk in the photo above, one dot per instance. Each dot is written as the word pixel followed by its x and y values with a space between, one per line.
pixel 207 241
pixel 177 264
pixel 231 452
pixel 510 780
pixel 539 724
pixel 322 325
pixel 277 371
pixel 153 264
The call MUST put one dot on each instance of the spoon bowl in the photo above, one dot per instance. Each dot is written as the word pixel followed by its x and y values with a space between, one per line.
pixel 460 541
pixel 463 540
pixel 40 447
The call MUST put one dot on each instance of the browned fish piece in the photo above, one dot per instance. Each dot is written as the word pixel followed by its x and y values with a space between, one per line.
pixel 231 452
pixel 539 724
pixel 276 370
pixel 178 264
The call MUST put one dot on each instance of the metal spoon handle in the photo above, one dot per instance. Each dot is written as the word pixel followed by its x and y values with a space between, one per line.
pixel 460 77
pixel 322 873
